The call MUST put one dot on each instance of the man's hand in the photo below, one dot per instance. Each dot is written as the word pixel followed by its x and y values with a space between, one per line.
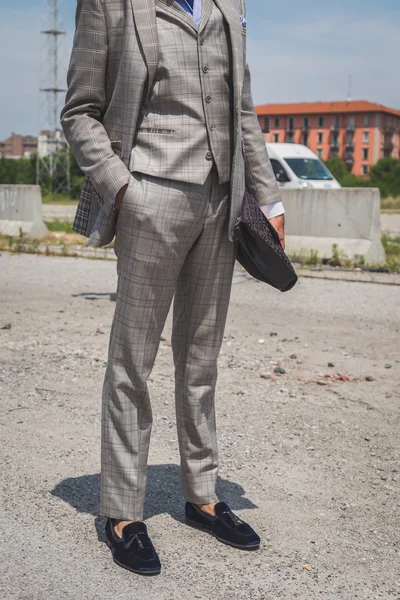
pixel 279 224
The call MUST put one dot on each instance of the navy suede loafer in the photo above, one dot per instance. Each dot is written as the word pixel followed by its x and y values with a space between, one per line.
pixel 134 551
pixel 225 526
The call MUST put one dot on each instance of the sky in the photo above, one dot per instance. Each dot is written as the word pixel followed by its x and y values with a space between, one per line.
pixel 298 51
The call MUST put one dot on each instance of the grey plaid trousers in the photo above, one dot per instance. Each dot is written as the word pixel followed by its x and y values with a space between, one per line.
pixel 172 239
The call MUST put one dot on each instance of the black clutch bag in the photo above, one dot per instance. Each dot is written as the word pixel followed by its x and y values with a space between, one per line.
pixel 259 249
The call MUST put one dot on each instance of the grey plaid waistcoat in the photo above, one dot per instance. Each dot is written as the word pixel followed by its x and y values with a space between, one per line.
pixel 186 124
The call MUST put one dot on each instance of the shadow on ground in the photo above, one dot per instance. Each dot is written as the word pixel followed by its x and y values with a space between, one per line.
pixel 96 295
pixel 164 494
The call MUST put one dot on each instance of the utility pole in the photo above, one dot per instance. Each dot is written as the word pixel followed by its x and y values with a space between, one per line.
pixel 52 168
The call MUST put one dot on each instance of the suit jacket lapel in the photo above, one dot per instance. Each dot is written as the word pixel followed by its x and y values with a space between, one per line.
pixel 144 15
pixel 177 8
pixel 206 10
pixel 232 17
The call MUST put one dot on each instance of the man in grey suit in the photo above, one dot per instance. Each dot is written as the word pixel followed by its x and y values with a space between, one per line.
pixel 160 118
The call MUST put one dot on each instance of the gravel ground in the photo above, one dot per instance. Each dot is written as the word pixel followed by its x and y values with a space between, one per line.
pixel 315 468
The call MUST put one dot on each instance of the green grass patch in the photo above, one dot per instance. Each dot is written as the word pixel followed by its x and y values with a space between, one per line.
pixel 61 199
pixel 23 244
pixel 59 225
pixel 338 258
pixel 392 249
pixel 390 204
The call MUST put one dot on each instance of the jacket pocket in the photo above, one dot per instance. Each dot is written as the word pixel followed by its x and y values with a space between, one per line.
pixel 116 147
pixel 157 131
pixel 98 198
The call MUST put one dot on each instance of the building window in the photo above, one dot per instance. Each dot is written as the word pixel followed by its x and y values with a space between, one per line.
pixel 305 139
pixel 290 138
pixel 319 153
pixel 367 120
pixel 291 123
pixel 265 125
pixel 365 153
pixel 365 169
pixel 320 137
pixel 276 138
pixel 336 122
pixel 277 123
pixel 366 137
pixel 352 121
pixel 321 122
pixel 306 122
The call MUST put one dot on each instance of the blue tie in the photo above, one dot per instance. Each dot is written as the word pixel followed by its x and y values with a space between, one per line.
pixel 187 5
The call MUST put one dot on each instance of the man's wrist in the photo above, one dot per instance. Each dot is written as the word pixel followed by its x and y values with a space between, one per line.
pixel 278 223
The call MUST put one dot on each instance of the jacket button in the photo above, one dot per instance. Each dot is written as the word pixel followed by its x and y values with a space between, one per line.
pixel 206 68
pixel 212 127
pixel 209 156
pixel 202 41
pixel 208 98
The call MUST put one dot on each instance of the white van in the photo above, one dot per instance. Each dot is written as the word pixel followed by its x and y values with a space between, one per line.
pixel 295 166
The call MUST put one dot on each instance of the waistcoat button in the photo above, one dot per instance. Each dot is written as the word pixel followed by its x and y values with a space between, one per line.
pixel 208 98
pixel 209 156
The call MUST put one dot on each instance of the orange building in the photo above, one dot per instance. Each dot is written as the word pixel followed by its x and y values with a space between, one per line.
pixel 357 131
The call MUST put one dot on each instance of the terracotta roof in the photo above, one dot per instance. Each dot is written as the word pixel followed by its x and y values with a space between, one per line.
pixel 315 108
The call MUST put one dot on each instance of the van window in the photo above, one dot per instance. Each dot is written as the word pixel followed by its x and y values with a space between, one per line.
pixel 279 171
pixel 309 168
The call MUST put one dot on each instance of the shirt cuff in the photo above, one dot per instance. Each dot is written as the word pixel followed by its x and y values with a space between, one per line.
pixel 273 210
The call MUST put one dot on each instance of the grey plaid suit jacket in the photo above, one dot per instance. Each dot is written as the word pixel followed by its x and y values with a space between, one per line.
pixel 112 68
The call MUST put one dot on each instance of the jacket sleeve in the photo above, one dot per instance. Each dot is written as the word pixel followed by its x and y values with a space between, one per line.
pixel 85 105
pixel 260 178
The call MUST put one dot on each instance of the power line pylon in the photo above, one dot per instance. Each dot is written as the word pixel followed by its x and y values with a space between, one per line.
pixel 53 168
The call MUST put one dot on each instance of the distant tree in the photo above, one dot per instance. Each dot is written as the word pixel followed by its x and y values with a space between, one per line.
pixel 76 186
pixel 385 175
pixel 23 171
pixel 337 167
pixel 74 169
pixel 50 184
pixel 18 171
pixel 76 177
pixel 346 179
pixel 26 173
pixel 8 170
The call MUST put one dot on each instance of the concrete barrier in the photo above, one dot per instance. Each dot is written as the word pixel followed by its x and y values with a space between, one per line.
pixel 348 217
pixel 21 208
